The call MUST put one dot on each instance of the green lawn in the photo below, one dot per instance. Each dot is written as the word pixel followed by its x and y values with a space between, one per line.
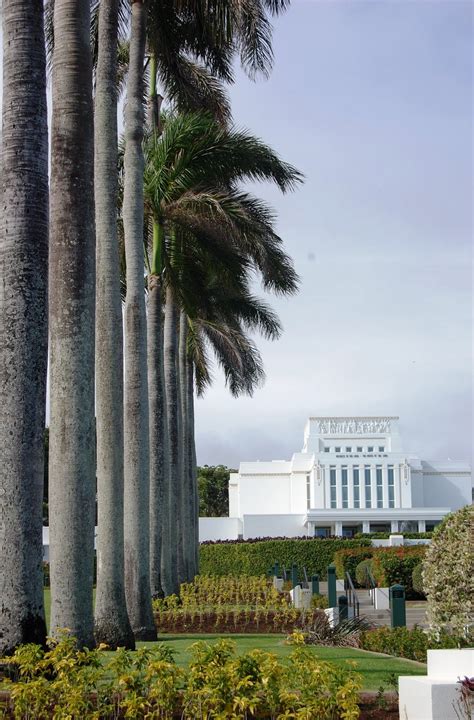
pixel 374 668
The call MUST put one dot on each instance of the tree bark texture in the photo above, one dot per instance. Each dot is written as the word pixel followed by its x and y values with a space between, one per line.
pixel 23 322
pixel 112 625
pixel 159 460
pixel 172 403
pixel 187 500
pixel 72 325
pixel 192 465
pixel 136 424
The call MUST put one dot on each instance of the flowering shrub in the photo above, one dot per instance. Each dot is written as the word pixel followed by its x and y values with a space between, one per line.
pixel 65 683
pixel 391 566
pixel 448 574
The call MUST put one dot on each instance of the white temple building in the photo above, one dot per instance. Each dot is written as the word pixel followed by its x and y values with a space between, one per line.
pixel 352 475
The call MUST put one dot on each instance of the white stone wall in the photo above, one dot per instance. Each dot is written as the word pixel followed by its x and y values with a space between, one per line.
pixel 219 528
pixel 273 526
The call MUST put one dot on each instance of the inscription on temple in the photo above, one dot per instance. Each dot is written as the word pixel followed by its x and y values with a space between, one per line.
pixel 349 426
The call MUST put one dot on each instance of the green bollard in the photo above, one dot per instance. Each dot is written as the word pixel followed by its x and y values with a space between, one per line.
pixel 294 576
pixel 343 606
pixel 332 593
pixel 397 606
pixel 315 584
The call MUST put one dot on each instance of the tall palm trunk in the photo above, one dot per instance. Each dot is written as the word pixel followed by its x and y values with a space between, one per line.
pixel 23 322
pixel 136 445
pixel 158 419
pixel 71 314
pixel 172 401
pixel 112 625
pixel 192 464
pixel 187 500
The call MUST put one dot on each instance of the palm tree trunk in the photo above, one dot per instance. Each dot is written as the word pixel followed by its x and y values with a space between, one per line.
pixel 158 421
pixel 172 402
pixel 136 445
pixel 71 315
pixel 192 466
pixel 23 322
pixel 187 495
pixel 112 625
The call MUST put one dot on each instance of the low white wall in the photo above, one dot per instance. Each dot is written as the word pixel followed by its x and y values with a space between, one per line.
pixel 219 528
pixel 273 526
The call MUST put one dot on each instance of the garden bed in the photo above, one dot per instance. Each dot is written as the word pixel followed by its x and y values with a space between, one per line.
pixel 235 621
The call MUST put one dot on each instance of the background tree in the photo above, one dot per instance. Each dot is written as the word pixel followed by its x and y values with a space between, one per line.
pixel 72 324
pixel 213 488
pixel 23 321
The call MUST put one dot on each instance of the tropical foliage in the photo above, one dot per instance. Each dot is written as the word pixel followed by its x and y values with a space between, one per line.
pixel 217 684
pixel 213 487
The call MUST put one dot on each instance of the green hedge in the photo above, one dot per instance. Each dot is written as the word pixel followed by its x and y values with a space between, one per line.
pixel 255 558
pixel 396 565
pixel 386 535
pixel 405 643
pixel 390 565
pixel 347 559
pixel 417 579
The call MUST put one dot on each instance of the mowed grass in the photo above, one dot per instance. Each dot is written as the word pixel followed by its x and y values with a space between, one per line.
pixel 375 669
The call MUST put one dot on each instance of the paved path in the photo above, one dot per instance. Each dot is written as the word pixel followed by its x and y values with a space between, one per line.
pixel 415 610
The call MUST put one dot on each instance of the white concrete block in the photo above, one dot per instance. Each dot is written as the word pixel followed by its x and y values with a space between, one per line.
pixel 396 540
pixel 340 586
pixel 382 598
pixel 451 664
pixel 425 698
pixel 278 583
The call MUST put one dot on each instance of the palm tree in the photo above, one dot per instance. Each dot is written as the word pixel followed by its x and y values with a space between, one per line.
pixel 136 427
pixel 71 316
pixel 194 152
pixel 24 332
pixel 112 625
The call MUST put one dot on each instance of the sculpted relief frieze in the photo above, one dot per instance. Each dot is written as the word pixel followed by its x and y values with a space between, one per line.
pixel 353 426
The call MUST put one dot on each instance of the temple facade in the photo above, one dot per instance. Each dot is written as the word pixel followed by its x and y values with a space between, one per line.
pixel 352 475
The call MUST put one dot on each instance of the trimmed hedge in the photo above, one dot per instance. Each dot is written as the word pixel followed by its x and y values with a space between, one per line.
pixel 347 559
pixel 386 535
pixel 255 558
pixel 403 642
pixel 395 565
pixel 389 565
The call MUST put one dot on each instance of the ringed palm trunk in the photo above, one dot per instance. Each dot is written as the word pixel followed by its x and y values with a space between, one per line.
pixel 23 322
pixel 187 500
pixel 159 460
pixel 112 625
pixel 192 464
pixel 71 315
pixel 172 404
pixel 136 445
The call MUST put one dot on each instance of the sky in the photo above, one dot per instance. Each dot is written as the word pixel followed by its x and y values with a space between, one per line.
pixel 372 101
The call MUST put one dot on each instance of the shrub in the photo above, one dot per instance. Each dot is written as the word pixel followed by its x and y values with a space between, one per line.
pixel 255 558
pixel 68 683
pixel 361 572
pixel 319 602
pixel 448 573
pixel 386 535
pixel 347 559
pixel 393 566
pixel 406 643
pixel 417 579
